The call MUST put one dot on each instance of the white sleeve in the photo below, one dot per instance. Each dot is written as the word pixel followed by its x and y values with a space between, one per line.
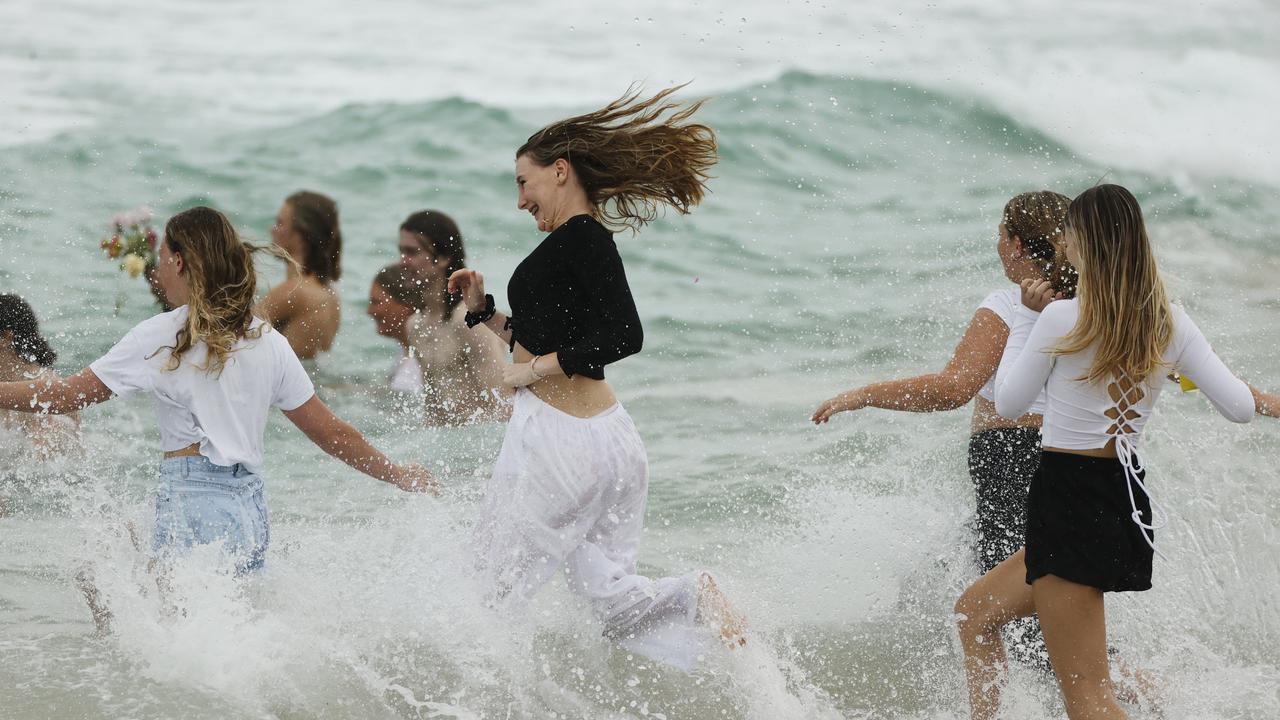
pixel 124 368
pixel 293 387
pixel 999 303
pixel 1229 395
pixel 1026 364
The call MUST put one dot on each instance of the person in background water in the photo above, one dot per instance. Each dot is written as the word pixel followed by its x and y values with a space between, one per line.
pixel 570 486
pixel 26 355
pixel 305 308
pixel 214 371
pixel 394 297
pixel 1003 453
pixel 1100 360
pixel 461 370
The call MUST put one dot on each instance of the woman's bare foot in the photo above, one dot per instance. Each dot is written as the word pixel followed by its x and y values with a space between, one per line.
pixel 714 609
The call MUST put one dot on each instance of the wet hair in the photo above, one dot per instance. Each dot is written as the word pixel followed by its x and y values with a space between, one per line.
pixel 218 267
pixel 632 156
pixel 404 286
pixel 1124 311
pixel 1038 219
pixel 442 233
pixel 315 217
pixel 17 317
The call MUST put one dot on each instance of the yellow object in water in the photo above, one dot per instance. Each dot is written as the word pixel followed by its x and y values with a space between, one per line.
pixel 1186 384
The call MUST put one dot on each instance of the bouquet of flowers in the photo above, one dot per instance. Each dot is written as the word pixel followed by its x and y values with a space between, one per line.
pixel 133 241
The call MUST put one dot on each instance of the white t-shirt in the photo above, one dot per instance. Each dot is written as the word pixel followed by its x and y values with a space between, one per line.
pixel 1082 414
pixel 1004 303
pixel 226 413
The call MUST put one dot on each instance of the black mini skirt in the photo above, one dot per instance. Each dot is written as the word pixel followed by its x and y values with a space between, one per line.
pixel 1079 524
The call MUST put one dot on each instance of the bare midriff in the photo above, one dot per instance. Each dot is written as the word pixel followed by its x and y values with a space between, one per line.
pixel 985 417
pixel 189 451
pixel 579 395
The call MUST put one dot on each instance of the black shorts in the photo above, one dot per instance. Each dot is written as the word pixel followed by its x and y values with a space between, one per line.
pixel 1079 524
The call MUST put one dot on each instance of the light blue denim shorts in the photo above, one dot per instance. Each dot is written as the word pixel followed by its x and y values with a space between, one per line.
pixel 200 503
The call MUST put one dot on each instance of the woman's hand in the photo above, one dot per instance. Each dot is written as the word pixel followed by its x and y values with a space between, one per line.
pixel 851 400
pixel 519 374
pixel 415 478
pixel 1037 294
pixel 471 284
pixel 1267 404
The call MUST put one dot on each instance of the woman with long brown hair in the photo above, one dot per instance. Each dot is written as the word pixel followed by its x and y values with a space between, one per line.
pixel 1100 360
pixel 215 371
pixel 461 370
pixel 305 308
pixel 571 483
pixel 1003 453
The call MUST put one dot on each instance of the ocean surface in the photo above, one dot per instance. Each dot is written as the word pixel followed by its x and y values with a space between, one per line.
pixel 866 152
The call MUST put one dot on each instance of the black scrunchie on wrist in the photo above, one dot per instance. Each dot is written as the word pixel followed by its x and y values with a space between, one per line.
pixel 475 318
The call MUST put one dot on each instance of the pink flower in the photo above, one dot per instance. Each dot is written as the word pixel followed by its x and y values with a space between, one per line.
pixel 132 218
pixel 152 239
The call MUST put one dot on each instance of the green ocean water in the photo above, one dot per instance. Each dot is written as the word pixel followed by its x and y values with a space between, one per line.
pixel 849 236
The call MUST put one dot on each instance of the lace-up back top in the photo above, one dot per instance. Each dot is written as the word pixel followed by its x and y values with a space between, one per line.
pixel 1080 414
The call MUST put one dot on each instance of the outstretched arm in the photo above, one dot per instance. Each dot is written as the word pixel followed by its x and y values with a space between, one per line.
pixel 339 439
pixel 973 363
pixel 1229 395
pixel 54 395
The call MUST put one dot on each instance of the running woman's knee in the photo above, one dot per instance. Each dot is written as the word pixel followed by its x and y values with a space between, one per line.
pixel 975 610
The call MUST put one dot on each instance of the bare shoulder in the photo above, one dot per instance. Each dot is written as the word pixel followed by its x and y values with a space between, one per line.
pixel 301 294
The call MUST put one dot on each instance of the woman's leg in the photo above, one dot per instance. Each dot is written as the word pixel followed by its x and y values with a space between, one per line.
pixel 656 617
pixel 993 600
pixel 1073 618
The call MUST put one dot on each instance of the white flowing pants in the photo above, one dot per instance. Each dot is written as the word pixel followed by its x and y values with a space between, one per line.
pixel 570 493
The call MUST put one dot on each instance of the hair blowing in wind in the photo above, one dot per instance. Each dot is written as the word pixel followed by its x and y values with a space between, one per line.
pixel 633 156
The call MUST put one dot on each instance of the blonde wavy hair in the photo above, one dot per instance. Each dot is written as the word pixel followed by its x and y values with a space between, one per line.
pixel 1124 311
pixel 219 269
pixel 1038 220
pixel 632 156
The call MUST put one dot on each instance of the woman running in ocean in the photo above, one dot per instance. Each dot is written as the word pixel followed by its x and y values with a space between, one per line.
pixel 570 486
pixel 1101 361
pixel 215 371
pixel 1003 453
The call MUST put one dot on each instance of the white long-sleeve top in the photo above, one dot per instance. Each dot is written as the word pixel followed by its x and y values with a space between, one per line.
pixel 1076 414
pixel 1081 414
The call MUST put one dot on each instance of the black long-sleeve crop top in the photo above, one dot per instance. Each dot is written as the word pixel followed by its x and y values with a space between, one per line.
pixel 570 296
